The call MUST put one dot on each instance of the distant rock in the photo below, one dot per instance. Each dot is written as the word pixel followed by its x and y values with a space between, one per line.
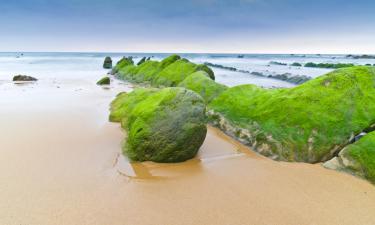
pixel 361 56
pixel 24 78
pixel 104 81
pixel 107 63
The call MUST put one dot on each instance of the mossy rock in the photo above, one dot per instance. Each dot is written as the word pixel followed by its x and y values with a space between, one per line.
pixel 107 63
pixel 125 61
pixel 308 123
pixel 167 73
pixel 169 125
pixel 125 102
pixel 141 61
pixel 104 81
pixel 357 159
pixel 176 72
pixel 24 78
pixel 203 85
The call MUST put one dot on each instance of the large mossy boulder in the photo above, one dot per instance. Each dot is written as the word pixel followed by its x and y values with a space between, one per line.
pixel 104 81
pixel 357 159
pixel 163 125
pixel 201 83
pixel 107 63
pixel 308 123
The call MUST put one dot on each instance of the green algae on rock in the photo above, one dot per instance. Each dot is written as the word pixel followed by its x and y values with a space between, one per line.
pixel 164 125
pixel 167 73
pixel 308 123
pixel 24 78
pixel 357 159
pixel 203 85
pixel 107 63
pixel 104 81
pixel 125 61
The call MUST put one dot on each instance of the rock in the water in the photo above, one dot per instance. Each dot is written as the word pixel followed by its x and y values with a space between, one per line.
pixel 141 61
pixel 104 81
pixel 166 73
pixel 24 78
pixel 307 123
pixel 357 159
pixel 107 63
pixel 164 125
pixel 124 62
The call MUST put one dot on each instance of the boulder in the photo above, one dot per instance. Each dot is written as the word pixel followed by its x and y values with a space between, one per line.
pixel 24 78
pixel 107 63
pixel 104 81
pixel 141 61
pixel 163 125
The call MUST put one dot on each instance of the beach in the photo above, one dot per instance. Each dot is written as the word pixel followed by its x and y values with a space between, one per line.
pixel 61 163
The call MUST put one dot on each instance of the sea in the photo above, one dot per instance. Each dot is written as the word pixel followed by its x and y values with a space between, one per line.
pixel 69 66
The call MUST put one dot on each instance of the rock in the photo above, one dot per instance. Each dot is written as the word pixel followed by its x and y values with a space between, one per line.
pixel 167 73
pixel 107 63
pixel 296 64
pixel 163 125
pixel 141 61
pixel 201 83
pixel 104 81
pixel 122 63
pixel 307 123
pixel 357 159
pixel 24 78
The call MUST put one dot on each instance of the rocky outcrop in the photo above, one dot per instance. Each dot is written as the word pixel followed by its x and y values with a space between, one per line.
pixel 24 78
pixel 107 63
pixel 309 123
pixel 163 125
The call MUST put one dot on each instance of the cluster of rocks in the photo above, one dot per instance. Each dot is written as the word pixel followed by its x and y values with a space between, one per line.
pixel 288 77
pixel 361 56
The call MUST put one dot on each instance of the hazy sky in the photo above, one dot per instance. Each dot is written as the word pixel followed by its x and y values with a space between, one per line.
pixel 247 26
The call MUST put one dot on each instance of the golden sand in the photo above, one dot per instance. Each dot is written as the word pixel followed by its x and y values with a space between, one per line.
pixel 60 163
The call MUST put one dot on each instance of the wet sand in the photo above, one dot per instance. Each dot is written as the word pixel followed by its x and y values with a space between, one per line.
pixel 61 163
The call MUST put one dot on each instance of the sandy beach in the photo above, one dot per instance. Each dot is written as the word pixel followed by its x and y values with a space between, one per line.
pixel 61 163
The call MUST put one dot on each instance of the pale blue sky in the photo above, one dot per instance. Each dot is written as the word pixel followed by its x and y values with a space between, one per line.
pixel 247 26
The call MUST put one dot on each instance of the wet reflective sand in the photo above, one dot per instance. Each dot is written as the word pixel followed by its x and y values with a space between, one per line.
pixel 61 163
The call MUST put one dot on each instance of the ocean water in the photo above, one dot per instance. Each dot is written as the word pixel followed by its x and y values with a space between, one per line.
pixel 69 66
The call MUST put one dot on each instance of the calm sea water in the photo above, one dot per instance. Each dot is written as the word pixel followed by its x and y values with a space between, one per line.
pixel 88 65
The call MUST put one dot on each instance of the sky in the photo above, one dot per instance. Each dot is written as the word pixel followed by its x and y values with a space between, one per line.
pixel 202 26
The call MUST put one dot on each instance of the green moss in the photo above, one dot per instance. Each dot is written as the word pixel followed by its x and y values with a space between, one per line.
pixel 174 73
pixel 203 85
pixel 104 81
pixel 362 154
pixel 307 122
pixel 125 102
pixel 208 70
pixel 166 125
pixel 168 61
pixel 125 61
